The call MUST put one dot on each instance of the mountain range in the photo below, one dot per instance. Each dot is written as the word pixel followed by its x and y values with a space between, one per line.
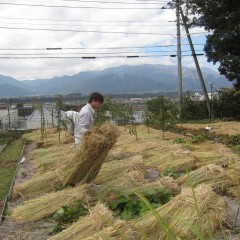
pixel 145 78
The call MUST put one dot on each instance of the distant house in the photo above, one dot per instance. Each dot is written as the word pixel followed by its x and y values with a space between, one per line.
pixel 199 97
pixel 34 120
pixel 8 119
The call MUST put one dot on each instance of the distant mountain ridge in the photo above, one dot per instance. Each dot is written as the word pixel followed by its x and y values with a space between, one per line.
pixel 145 78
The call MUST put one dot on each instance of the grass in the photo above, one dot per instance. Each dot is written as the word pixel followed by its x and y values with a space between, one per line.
pixel 6 179
pixel 8 162
pixel 11 152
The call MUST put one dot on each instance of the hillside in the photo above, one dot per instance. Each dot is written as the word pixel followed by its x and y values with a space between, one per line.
pixel 122 79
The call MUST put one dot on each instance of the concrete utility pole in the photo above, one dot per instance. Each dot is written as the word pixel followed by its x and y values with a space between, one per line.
pixel 9 120
pixel 179 57
pixel 196 63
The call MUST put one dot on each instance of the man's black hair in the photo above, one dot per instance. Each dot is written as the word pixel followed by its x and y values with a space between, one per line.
pixel 97 97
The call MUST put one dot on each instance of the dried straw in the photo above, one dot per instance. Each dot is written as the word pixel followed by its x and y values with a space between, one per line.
pixel 211 174
pixel 115 169
pixel 99 218
pixel 233 171
pixel 120 230
pixel 234 191
pixel 169 183
pixel 133 176
pixel 82 168
pixel 38 208
pixel 177 159
pixel 38 185
pixel 198 208
pixel 42 158
pixel 86 164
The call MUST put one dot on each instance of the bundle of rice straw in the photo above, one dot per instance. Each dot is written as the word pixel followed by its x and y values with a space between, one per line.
pixel 169 183
pixel 216 176
pixel 53 158
pixel 38 185
pixel 178 160
pixel 132 177
pixel 233 171
pixel 82 168
pixel 115 169
pixel 38 208
pixel 120 230
pixel 200 209
pixel 234 191
pixel 99 218
pixel 228 156
pixel 89 159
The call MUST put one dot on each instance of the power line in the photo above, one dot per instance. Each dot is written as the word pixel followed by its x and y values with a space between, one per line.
pixel 80 20
pixel 102 25
pixel 91 48
pixel 77 7
pixel 127 3
pixel 94 57
pixel 86 53
pixel 94 31
pixel 84 31
pixel 97 48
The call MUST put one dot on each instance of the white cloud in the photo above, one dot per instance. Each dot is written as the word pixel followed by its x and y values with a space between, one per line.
pixel 143 21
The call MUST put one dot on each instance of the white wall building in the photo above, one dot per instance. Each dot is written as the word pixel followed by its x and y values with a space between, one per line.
pixel 8 118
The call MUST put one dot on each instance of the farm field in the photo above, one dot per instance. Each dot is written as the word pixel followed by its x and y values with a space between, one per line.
pixel 230 128
pixel 193 185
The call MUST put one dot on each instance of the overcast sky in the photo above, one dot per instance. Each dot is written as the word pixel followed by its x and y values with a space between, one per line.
pixel 108 30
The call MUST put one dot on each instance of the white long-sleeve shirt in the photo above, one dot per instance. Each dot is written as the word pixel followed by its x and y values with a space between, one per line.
pixel 84 121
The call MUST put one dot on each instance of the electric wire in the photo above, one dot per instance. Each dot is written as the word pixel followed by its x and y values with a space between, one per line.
pixel 85 31
pixel 100 57
pixel 127 3
pixel 94 31
pixel 76 25
pixel 96 48
pixel 87 53
pixel 80 20
pixel 82 7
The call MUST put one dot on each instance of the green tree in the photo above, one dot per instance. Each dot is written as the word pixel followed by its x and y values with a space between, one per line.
pixel 104 113
pixel 193 110
pixel 222 19
pixel 162 113
pixel 59 107
pixel 40 108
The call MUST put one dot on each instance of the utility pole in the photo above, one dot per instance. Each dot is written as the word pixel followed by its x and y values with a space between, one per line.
pixel 179 57
pixel 196 63
pixel 9 120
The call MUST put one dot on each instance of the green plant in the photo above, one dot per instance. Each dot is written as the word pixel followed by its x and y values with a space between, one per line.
pixel 133 130
pixel 179 140
pixel 198 138
pixel 68 214
pixel 235 139
pixel 56 228
pixel 237 148
pixel 169 172
pixel 24 174
pixel 128 206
